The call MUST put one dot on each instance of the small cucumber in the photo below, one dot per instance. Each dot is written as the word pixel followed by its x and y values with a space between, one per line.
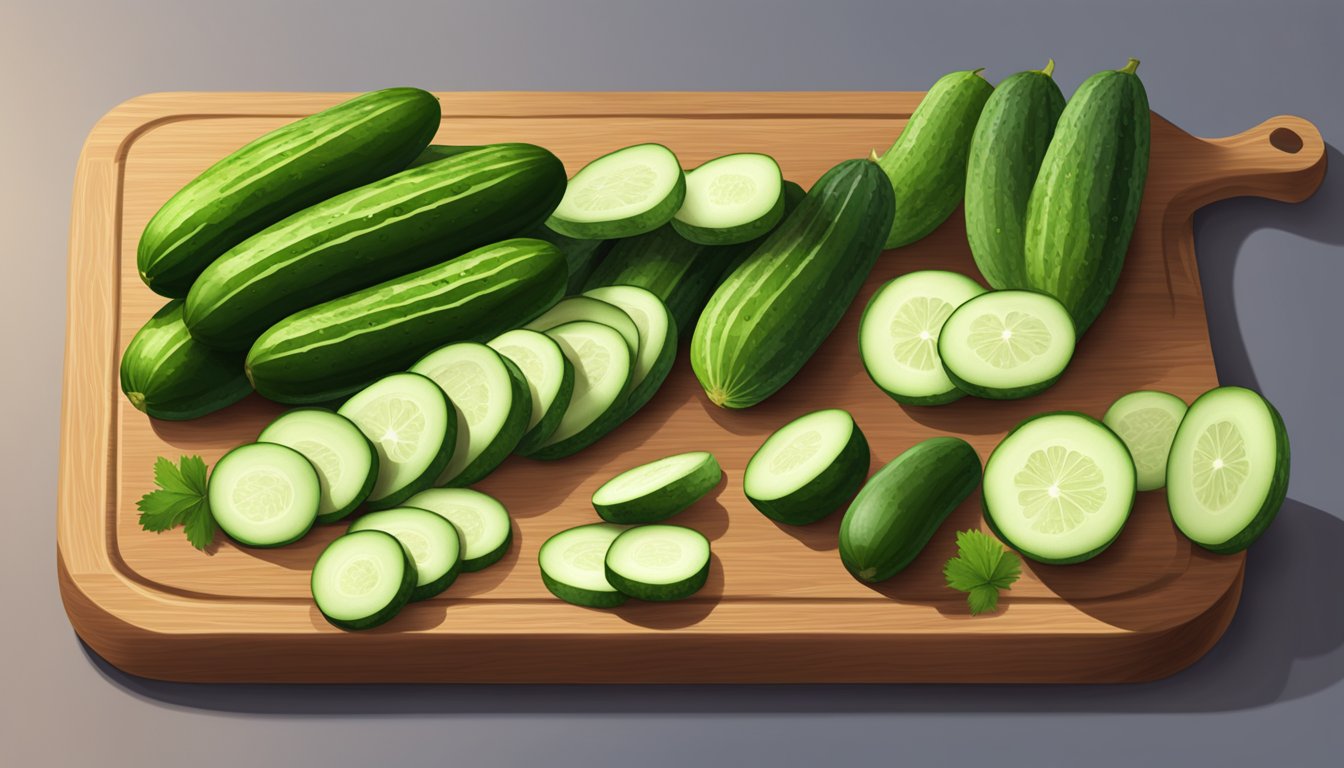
pixel 169 375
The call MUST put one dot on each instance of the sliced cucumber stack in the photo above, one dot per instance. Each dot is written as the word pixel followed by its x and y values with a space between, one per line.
pixel 1147 422
pixel 575 308
pixel 657 339
pixel 657 490
pixel 573 565
pixel 626 193
pixel 731 199
pixel 1228 471
pixel 264 494
pixel 413 427
pixel 808 468
pixel 1059 488
pixel 603 366
pixel 658 562
pixel 363 579
pixel 550 381
pixel 482 523
pixel 345 460
pixel 492 404
pixel 1007 344
pixel 898 336
pixel 430 539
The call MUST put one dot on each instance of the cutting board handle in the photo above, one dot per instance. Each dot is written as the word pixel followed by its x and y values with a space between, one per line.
pixel 1283 158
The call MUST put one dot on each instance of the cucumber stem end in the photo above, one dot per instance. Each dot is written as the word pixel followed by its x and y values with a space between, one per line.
pixel 1131 67
pixel 1049 69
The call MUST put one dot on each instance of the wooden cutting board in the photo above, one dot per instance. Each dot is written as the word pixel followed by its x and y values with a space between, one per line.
pixel 778 606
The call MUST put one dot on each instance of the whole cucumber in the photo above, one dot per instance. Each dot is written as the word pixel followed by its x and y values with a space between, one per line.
pixel 1007 148
pixel 169 375
pixel 1082 210
pixel 927 163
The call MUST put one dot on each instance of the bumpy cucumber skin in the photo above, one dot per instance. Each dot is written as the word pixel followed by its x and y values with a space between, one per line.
pixel 436 152
pixel 381 231
pixel 743 233
pixel 337 515
pixel 1007 148
pixel 403 596
pixel 279 174
pixel 1278 488
pixel 665 502
pixel 1087 196
pixel 926 166
pixel 506 441
pixel 679 590
pixel 169 375
pixel 338 347
pixel 900 507
pixel 827 492
pixel 767 318
pixel 647 221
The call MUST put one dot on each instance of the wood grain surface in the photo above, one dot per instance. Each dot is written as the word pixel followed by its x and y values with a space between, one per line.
pixel 779 607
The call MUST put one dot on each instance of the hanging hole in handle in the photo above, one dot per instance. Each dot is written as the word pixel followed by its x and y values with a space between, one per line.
pixel 1286 140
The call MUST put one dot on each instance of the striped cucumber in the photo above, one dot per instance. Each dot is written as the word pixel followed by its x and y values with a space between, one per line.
pixel 281 173
pixel 169 375
pixel 1086 199
pixel 335 348
pixel 773 311
pixel 380 231
pixel 581 256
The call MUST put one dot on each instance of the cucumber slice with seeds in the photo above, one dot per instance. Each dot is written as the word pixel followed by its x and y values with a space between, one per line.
pixel 808 468
pixel 602 371
pixel 626 193
pixel 550 381
pixel 264 494
pixel 573 565
pixel 1147 422
pixel 362 579
pixel 1228 471
pixel 413 427
pixel 345 460
pixel 482 523
pixel 898 335
pixel 731 199
pixel 575 308
pixel 657 490
pixel 1007 344
pixel 657 339
pixel 658 562
pixel 430 539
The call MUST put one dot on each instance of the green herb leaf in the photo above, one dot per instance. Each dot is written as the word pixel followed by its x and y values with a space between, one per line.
pixel 981 569
pixel 179 500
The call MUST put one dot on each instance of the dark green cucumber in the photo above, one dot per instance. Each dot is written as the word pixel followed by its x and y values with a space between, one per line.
pixel 1082 210
pixel 436 152
pixel 380 231
pixel 169 375
pixel 335 348
pixel 281 173
pixel 1007 148
pixel 581 256
pixel 774 310
pixel 900 507
pixel 926 165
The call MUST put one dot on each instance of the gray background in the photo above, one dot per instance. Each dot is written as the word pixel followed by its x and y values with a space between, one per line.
pixel 1269 693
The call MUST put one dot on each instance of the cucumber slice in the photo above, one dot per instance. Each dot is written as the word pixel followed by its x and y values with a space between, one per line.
pixel 808 468
pixel 602 370
pixel 1059 487
pixel 731 199
pixel 363 579
pixel 657 339
pixel 346 463
pixel 626 193
pixel 430 539
pixel 1228 471
pixel 264 494
pixel 492 407
pixel 550 381
pixel 482 523
pixel 898 335
pixel 657 490
pixel 411 424
pixel 573 565
pixel 1007 344
pixel 1147 422
pixel 658 562
pixel 575 308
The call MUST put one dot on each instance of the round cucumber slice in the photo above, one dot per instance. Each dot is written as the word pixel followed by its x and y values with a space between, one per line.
pixel 626 193
pixel 658 562
pixel 346 463
pixel 264 494
pixel 808 468
pixel 430 539
pixel 362 579
pixel 412 426
pixel 1147 422
pixel 482 523
pixel 1007 344
pixel 731 199
pixel 575 308
pixel 1228 471
pixel 898 335
pixel 602 370
pixel 1059 487
pixel 491 402
pixel 550 381
pixel 573 565
pixel 657 338
pixel 657 490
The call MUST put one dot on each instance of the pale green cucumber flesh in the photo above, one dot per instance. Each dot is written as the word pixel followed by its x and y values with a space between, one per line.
pixel 264 494
pixel 731 199
pixel 590 308
pixel 1006 344
pixel 573 565
pixel 345 460
pixel 482 523
pixel 658 562
pixel 657 490
pixel 413 428
pixel 657 339
pixel 808 468
pixel 622 194
pixel 1147 420
pixel 603 366
pixel 363 579
pixel 431 541
pixel 550 381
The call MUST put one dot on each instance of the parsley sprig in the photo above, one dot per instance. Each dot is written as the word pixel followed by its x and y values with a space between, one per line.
pixel 981 568
pixel 180 499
